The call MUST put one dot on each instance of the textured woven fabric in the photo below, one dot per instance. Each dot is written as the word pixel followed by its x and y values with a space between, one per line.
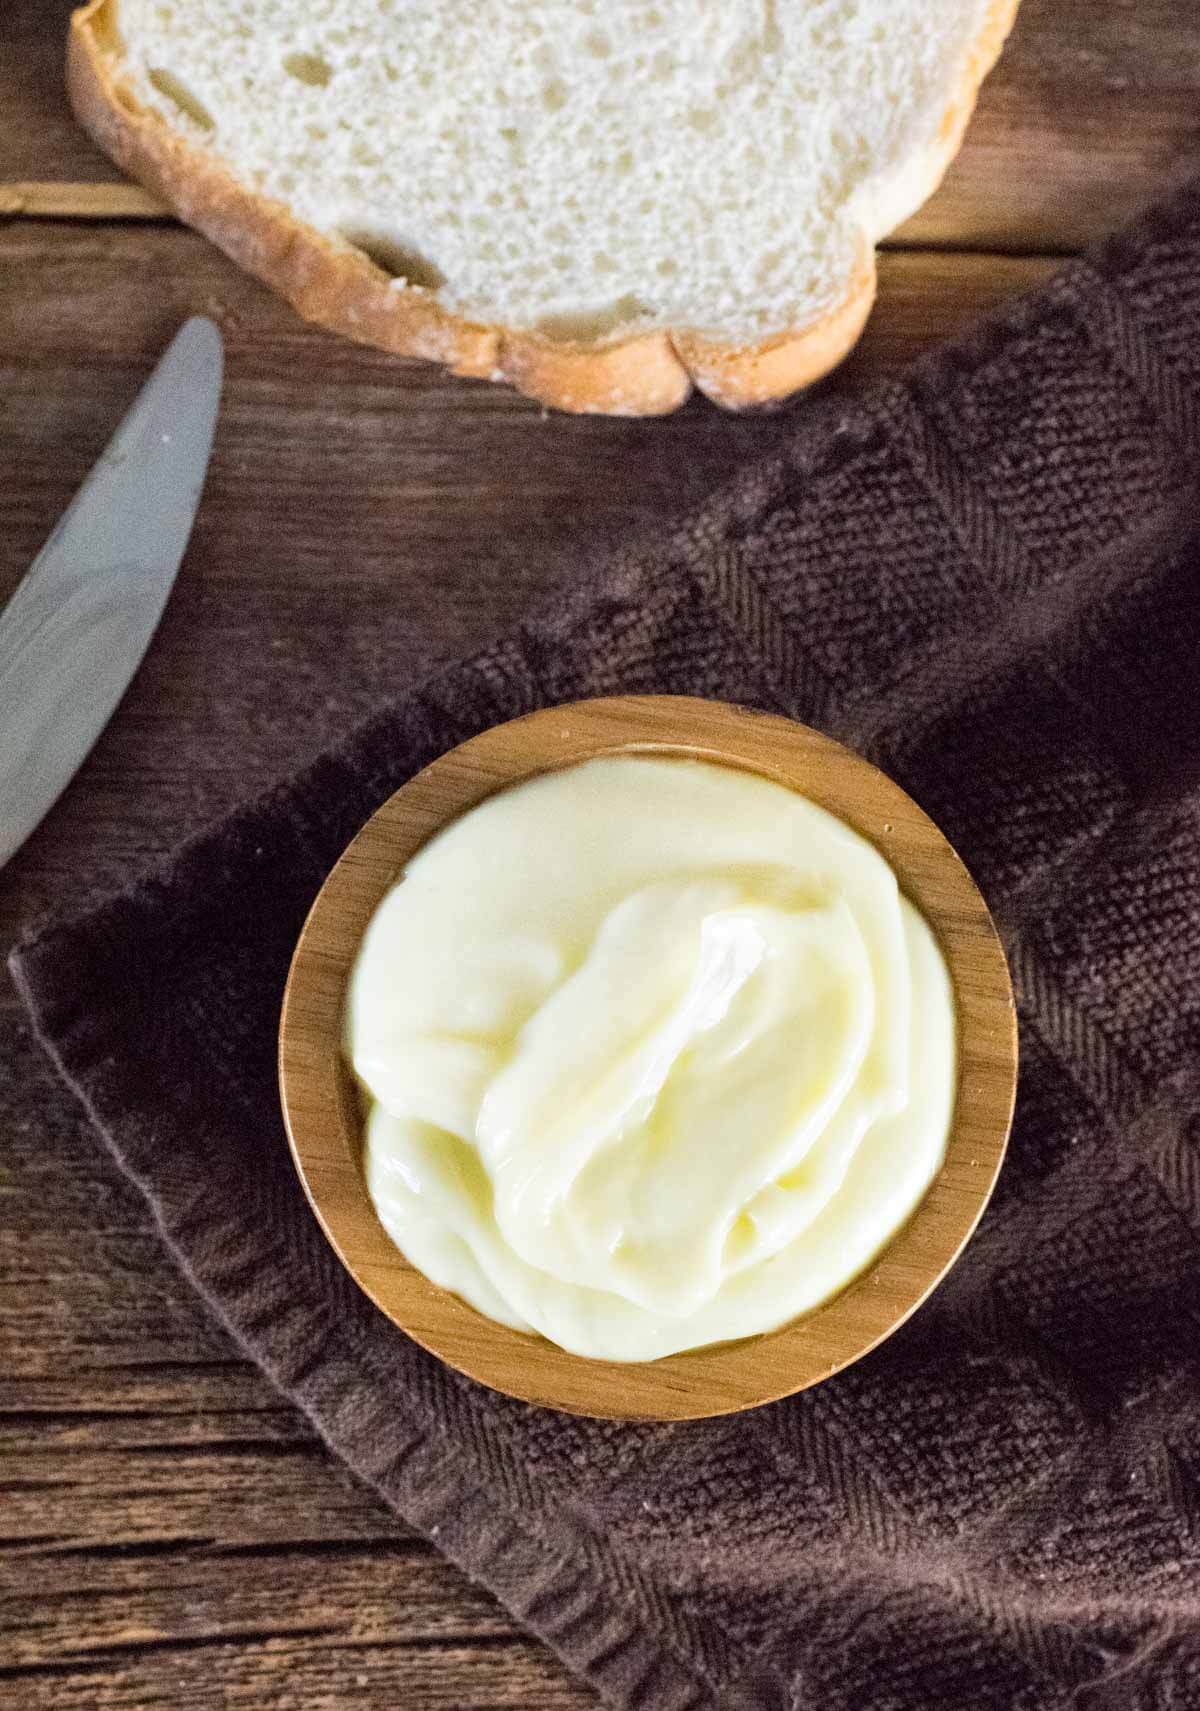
pixel 986 577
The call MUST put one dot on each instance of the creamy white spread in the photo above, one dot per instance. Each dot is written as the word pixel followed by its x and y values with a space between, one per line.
pixel 655 1053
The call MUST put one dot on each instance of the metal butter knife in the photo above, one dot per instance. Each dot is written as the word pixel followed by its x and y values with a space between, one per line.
pixel 75 631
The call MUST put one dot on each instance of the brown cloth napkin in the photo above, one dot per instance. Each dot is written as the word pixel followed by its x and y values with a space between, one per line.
pixel 986 577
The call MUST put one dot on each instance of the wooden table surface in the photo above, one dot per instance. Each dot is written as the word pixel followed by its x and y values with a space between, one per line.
pixel 171 1534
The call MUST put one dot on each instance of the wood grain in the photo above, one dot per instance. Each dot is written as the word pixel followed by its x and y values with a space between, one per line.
pixel 171 1532
pixel 63 201
pixel 324 1123
pixel 363 522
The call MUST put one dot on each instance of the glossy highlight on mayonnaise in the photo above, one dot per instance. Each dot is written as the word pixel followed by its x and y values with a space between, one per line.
pixel 654 1055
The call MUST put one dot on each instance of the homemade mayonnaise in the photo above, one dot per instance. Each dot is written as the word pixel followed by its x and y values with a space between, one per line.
pixel 655 1053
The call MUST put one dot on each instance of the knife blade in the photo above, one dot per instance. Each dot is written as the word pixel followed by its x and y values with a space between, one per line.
pixel 77 627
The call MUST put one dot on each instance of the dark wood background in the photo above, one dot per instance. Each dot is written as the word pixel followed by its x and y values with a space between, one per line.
pixel 170 1531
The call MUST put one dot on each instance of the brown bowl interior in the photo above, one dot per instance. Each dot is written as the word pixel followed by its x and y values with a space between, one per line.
pixel 324 1122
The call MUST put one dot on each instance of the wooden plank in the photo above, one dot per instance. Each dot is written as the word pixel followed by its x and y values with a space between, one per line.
pixel 90 1487
pixel 1091 111
pixel 1026 183
pixel 315 1666
pixel 347 1591
pixel 61 201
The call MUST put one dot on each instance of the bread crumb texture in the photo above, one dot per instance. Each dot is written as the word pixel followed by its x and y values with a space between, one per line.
pixel 576 167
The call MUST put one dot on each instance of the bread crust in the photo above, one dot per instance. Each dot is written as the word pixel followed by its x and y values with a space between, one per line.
pixel 338 287
pixel 738 377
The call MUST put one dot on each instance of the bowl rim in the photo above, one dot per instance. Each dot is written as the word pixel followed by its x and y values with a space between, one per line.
pixel 323 1119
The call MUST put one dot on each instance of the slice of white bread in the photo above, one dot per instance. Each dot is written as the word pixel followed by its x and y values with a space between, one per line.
pixel 599 201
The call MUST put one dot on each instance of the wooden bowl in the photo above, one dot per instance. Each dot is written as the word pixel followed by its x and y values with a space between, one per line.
pixel 324 1122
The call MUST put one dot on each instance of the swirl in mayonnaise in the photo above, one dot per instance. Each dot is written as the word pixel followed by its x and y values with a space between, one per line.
pixel 655 1055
